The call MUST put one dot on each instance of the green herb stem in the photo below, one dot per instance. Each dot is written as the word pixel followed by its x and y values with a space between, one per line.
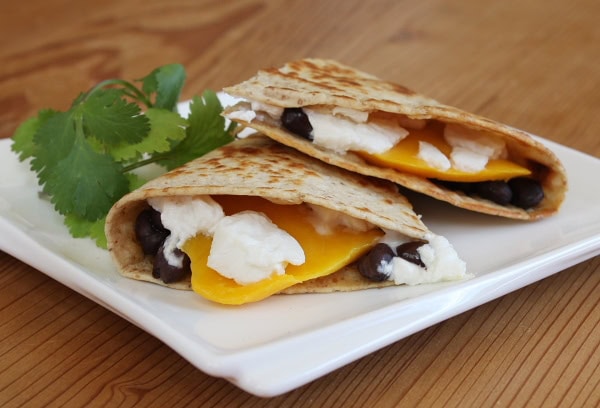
pixel 130 90
pixel 155 158
pixel 86 151
pixel 78 120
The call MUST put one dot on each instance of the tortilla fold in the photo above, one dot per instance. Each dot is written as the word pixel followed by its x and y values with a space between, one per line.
pixel 258 166
pixel 329 84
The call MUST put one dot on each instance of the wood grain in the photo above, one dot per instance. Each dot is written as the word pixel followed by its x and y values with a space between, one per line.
pixel 533 65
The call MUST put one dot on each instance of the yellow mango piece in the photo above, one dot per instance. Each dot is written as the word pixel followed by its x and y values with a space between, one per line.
pixel 325 254
pixel 404 157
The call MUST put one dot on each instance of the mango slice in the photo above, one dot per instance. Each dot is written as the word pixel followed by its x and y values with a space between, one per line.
pixel 404 157
pixel 325 254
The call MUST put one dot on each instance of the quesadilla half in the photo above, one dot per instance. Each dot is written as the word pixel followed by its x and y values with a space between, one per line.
pixel 364 124
pixel 255 218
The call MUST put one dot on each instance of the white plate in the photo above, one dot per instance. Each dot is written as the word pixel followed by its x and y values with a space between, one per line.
pixel 281 343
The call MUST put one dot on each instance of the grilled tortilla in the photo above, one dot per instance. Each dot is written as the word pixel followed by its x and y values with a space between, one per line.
pixel 259 167
pixel 328 85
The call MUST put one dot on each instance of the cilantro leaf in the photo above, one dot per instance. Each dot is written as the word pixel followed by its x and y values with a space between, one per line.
pixel 80 228
pixel 85 183
pixel 167 82
pixel 206 131
pixel 53 139
pixel 165 127
pixel 111 120
pixel 23 138
pixel 135 181
pixel 85 157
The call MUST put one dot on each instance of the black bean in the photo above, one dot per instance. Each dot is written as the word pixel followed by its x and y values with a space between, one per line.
pixel 296 121
pixel 156 220
pixel 371 265
pixel 497 191
pixel 167 272
pixel 465 187
pixel 527 193
pixel 408 252
pixel 150 231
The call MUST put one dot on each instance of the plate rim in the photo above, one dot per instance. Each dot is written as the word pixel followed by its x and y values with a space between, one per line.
pixel 236 366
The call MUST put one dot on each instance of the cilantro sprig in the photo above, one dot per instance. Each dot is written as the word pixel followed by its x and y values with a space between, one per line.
pixel 85 157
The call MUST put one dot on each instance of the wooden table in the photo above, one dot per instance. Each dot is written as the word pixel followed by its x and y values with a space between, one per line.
pixel 533 65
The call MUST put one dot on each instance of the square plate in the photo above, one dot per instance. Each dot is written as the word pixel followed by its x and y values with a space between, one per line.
pixel 283 342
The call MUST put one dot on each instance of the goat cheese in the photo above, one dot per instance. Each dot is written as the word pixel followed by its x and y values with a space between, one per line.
pixel 274 111
pixel 243 115
pixel 467 160
pixel 326 221
pixel 441 264
pixel 185 217
pixel 433 156
pixel 487 145
pixel 471 151
pixel 247 247
pixel 341 134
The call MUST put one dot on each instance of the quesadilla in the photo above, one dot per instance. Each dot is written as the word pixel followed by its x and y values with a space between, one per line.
pixel 255 218
pixel 364 124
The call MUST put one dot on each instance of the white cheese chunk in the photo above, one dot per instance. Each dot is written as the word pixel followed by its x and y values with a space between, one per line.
pixel 484 144
pixel 274 111
pixel 247 247
pixel 433 156
pixel 341 134
pixel 243 115
pixel 467 160
pixel 185 217
pixel 441 264
pixel 326 221
pixel 393 238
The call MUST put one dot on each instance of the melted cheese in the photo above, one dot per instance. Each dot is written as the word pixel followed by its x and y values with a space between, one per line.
pixel 345 130
pixel 404 156
pixel 325 254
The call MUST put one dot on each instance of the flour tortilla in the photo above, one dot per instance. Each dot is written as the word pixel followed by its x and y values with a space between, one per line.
pixel 258 166
pixel 329 84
